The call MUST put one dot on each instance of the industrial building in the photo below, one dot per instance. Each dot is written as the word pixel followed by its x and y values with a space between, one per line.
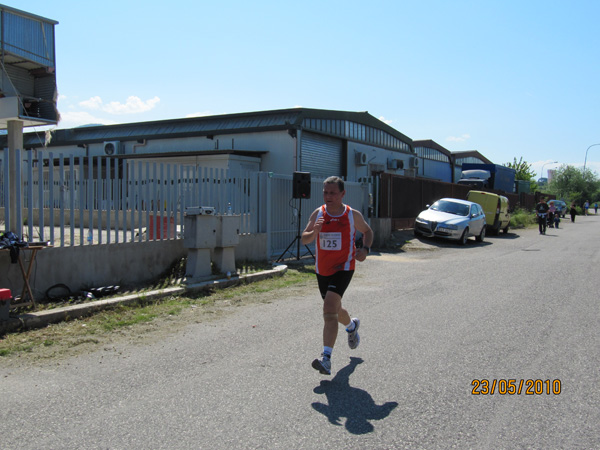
pixel 323 142
pixel 439 163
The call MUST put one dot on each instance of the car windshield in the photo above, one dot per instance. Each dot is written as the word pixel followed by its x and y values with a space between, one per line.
pixel 451 207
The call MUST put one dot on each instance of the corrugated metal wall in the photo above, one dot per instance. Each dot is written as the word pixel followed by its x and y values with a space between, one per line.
pixel 321 155
pixel 19 81
pixel 28 37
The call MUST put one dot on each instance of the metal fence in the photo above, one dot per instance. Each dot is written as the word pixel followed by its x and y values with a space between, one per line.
pixel 287 216
pixel 102 200
pixel 405 197
pixel 78 200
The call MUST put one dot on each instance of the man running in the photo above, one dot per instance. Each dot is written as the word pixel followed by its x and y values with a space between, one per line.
pixel 334 226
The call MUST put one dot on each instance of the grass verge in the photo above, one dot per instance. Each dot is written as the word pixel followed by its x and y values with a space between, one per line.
pixel 148 317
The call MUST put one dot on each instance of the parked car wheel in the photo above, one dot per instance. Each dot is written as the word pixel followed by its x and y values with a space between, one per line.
pixel 465 236
pixel 505 230
pixel 481 236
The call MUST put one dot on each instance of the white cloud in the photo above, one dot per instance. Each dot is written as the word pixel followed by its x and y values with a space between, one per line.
pixel 384 120
pixel 133 105
pixel 93 103
pixel 461 138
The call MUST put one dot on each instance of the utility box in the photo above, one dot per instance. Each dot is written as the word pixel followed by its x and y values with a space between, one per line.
pixel 5 298
pixel 199 237
pixel 228 231
pixel 206 234
pixel 228 236
pixel 200 231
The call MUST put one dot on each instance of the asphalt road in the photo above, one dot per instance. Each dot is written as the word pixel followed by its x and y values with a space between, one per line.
pixel 434 323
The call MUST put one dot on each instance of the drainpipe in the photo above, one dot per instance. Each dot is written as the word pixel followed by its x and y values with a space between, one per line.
pixel 140 143
pixel 298 148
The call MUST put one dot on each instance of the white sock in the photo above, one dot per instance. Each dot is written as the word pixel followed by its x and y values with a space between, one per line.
pixel 327 351
pixel 350 327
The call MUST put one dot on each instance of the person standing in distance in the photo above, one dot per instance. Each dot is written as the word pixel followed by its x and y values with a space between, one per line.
pixel 541 210
pixel 333 225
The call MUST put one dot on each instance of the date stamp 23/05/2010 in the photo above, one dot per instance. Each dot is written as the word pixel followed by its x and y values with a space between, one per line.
pixel 513 386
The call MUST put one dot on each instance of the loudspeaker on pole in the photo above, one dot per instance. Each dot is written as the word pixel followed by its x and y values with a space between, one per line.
pixel 301 185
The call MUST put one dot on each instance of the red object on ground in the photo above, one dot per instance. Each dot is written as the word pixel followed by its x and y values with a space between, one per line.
pixel 5 294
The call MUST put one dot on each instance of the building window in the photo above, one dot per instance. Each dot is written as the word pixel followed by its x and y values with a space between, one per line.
pixel 356 131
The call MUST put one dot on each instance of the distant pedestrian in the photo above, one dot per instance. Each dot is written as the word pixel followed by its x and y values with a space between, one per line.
pixel 556 220
pixel 551 213
pixel 586 206
pixel 541 210
pixel 573 212
pixel 595 207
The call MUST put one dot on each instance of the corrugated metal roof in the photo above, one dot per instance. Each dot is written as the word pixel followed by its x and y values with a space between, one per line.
pixel 202 126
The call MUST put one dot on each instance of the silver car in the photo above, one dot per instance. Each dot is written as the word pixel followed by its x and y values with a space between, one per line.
pixel 451 218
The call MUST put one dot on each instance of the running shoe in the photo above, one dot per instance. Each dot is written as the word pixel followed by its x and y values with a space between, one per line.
pixel 323 365
pixel 353 337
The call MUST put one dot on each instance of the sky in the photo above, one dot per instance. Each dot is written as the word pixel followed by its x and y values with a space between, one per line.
pixel 510 79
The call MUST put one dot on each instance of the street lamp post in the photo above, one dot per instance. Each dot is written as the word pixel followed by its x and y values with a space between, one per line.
pixel 551 162
pixel 584 162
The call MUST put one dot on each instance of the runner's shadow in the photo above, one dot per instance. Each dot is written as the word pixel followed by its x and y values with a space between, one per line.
pixel 353 403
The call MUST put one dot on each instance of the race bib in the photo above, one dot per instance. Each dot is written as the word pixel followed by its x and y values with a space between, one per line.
pixel 330 241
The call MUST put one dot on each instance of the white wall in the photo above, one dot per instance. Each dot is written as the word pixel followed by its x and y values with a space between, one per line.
pixel 280 148
pixel 236 163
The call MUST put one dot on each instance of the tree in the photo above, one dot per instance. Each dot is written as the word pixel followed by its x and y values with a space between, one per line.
pixel 524 172
pixel 575 185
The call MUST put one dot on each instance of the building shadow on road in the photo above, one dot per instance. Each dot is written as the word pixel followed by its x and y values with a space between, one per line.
pixel 356 405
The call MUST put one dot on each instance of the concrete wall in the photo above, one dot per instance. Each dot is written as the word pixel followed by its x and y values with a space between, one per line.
pixel 84 267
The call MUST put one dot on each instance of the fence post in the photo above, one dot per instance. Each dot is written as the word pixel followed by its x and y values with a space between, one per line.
pixel 267 202
pixel 19 194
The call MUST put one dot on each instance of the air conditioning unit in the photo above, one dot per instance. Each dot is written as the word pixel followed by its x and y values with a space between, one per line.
pixel 361 159
pixel 112 148
pixel 396 164
pixel 414 162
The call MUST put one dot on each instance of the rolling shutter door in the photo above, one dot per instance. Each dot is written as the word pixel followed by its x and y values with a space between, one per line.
pixel 321 155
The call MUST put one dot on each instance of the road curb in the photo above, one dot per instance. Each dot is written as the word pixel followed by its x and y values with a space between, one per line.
pixel 42 319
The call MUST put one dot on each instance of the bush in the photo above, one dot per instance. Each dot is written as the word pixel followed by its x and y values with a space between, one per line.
pixel 521 218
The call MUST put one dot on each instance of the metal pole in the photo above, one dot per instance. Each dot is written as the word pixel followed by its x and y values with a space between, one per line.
pixel 544 165
pixel 15 141
pixel 585 161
